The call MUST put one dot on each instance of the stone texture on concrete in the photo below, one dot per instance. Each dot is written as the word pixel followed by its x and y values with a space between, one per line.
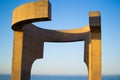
pixel 95 46
pixel 29 39
pixel 31 12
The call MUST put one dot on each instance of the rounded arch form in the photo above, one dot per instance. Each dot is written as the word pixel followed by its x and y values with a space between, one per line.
pixel 29 39
pixel 59 60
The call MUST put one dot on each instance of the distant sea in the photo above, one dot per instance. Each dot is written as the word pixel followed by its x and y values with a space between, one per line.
pixel 48 77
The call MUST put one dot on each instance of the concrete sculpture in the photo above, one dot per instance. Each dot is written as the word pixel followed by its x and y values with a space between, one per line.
pixel 29 39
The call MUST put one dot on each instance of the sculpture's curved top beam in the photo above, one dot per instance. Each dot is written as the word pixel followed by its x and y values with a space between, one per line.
pixel 41 11
pixel 31 12
pixel 78 34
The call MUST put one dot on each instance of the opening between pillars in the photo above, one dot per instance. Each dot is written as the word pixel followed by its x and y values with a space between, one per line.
pixel 60 59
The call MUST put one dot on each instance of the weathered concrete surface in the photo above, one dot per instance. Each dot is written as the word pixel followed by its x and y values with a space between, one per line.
pixel 29 40
pixel 31 12
pixel 95 46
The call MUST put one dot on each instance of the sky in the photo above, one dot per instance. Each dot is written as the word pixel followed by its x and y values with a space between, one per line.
pixel 66 58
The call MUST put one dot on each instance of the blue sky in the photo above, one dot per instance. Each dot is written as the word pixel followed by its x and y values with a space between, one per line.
pixel 66 58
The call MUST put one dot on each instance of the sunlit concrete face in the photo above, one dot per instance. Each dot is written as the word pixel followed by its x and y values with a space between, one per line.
pixel 31 12
pixel 29 39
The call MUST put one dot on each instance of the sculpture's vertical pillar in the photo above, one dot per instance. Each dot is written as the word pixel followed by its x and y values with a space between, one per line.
pixel 95 46
pixel 17 55
pixel 27 48
pixel 28 45
pixel 22 59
